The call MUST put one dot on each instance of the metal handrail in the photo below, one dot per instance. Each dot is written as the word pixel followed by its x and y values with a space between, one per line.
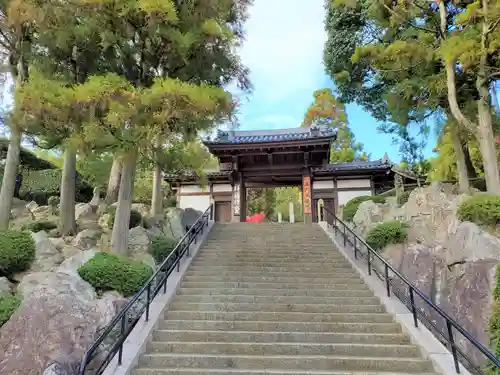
pixel 150 289
pixel 450 322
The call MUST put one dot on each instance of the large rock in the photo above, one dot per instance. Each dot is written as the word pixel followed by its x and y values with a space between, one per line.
pixel 52 284
pixel 138 241
pixel 189 217
pixel 86 216
pixel 48 257
pixel 70 265
pixel 86 239
pixel 142 208
pixel 50 334
pixel 5 286
pixel 367 216
pixel 173 225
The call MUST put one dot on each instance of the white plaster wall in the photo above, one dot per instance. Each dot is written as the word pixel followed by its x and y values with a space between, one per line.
pixel 354 183
pixel 197 202
pixel 217 188
pixel 317 185
pixel 193 189
pixel 346 196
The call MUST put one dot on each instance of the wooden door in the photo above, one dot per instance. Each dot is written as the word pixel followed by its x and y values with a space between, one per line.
pixel 329 204
pixel 223 212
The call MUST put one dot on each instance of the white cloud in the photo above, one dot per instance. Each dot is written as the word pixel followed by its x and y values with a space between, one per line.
pixel 284 46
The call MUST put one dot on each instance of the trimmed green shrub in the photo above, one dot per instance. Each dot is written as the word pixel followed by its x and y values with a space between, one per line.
pixel 107 271
pixel 482 209
pixel 40 185
pixel 8 305
pixel 403 197
pixel 351 207
pixel 37 226
pixel 388 232
pixel 135 218
pixel 161 247
pixel 17 251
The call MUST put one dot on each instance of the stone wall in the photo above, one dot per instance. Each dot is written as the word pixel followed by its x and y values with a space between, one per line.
pixel 452 262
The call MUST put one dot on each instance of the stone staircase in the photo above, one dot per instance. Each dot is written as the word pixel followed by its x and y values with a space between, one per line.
pixel 276 299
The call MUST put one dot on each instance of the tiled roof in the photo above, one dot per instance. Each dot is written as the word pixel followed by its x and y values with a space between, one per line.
pixel 376 164
pixel 189 175
pixel 279 135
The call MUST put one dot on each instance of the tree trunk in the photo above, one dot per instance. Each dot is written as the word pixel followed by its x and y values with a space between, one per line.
pixel 119 236
pixel 114 181
pixel 157 196
pixel 9 176
pixel 488 149
pixel 67 224
pixel 157 199
pixel 471 171
pixel 463 178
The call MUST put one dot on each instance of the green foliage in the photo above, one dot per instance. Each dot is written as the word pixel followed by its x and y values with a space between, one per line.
pixel 482 209
pixel 261 200
pixel 53 201
pixel 111 272
pixel 494 327
pixel 40 185
pixel 403 197
pixel 351 207
pixel 386 233
pixel 94 168
pixel 326 110
pixel 37 226
pixel 17 252
pixel 143 186
pixel 286 195
pixel 161 247
pixel 135 218
pixel 8 305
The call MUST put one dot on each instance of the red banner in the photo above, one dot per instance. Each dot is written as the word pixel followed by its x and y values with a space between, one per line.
pixel 306 186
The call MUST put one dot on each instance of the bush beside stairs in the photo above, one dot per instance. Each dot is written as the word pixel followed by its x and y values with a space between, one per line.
pixel 276 299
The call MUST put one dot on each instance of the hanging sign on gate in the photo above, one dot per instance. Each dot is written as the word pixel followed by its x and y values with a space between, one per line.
pixel 306 186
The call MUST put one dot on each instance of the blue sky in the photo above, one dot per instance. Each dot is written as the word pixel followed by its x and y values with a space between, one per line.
pixel 283 50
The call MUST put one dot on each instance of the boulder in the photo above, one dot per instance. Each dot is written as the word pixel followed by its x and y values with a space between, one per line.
pixel 70 265
pixel 367 216
pixel 189 217
pixel 146 259
pixel 50 334
pixel 58 242
pixel 84 209
pixel 52 284
pixel 48 257
pixel 86 216
pixel 138 241
pixel 173 225
pixel 142 208
pixel 103 222
pixel 86 239
pixel 5 286
pixel 31 206
pixel 68 251
pixel 42 212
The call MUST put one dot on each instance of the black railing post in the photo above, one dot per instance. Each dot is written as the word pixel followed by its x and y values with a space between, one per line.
pixel 355 249
pixel 212 211
pixel 148 301
pixel 165 284
pixel 453 347
pixel 344 235
pixel 122 332
pixel 369 253
pixel 387 282
pixel 178 259
pixel 413 307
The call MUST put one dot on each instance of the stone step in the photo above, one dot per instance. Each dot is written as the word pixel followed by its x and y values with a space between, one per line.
pixel 330 275
pixel 339 282
pixel 196 371
pixel 176 360
pixel 344 308
pixel 331 293
pixel 294 349
pixel 257 285
pixel 333 302
pixel 271 264
pixel 255 268
pixel 277 317
pixel 282 326
pixel 271 251
pixel 308 337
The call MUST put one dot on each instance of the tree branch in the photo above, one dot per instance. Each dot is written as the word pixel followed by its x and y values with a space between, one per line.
pixel 452 98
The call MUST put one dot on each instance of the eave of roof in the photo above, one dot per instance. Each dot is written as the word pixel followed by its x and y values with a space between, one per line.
pixel 376 165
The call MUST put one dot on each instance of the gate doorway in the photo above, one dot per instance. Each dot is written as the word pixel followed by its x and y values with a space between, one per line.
pixel 222 212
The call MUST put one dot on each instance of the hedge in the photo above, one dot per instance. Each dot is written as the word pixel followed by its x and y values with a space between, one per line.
pixel 40 185
pixel 388 232
pixel 37 226
pixel 161 247
pixel 8 305
pixel 17 252
pixel 135 218
pixel 351 207
pixel 107 271
pixel 482 209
